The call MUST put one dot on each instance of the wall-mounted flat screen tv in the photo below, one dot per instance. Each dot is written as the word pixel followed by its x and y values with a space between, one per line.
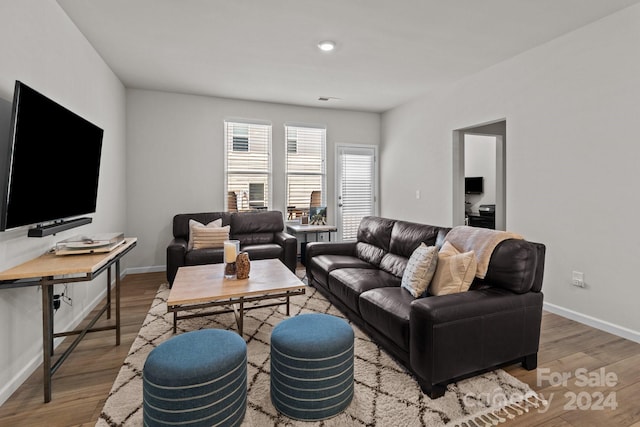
pixel 473 185
pixel 52 165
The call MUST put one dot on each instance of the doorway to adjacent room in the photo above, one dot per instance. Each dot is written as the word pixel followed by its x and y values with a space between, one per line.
pixel 471 147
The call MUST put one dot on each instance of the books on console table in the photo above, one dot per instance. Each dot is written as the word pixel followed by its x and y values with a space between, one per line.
pixel 88 244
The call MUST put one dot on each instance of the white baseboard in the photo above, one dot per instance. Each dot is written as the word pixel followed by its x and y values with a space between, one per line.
pixel 149 269
pixel 593 322
pixel 12 385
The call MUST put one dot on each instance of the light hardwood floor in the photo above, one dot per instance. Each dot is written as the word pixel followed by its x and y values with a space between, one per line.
pixel 81 385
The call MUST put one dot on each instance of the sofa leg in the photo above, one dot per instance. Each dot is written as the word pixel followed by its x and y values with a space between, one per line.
pixel 530 362
pixel 434 391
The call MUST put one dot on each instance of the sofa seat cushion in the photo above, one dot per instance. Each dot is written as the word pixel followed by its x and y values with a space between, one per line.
pixel 263 251
pixel 387 310
pixel 322 265
pixel 348 283
pixel 204 256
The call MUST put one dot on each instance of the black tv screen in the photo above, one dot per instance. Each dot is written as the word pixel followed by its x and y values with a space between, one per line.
pixel 473 185
pixel 53 162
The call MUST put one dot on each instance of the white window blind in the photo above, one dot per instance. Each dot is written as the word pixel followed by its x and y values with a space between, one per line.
pixel 306 171
pixel 248 163
pixel 357 190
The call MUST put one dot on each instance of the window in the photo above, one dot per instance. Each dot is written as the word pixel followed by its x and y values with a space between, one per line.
pixel 292 141
pixel 248 163
pixel 241 137
pixel 306 172
pixel 256 195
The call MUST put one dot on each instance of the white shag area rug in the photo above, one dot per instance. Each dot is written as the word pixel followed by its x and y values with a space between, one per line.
pixel 385 393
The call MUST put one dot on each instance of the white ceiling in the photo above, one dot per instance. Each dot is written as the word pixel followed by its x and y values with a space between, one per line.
pixel 388 52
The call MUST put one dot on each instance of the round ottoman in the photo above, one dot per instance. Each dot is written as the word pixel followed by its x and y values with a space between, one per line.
pixel 198 378
pixel 311 366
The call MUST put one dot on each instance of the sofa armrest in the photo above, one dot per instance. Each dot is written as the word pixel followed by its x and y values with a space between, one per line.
pixel 454 335
pixel 289 245
pixel 176 252
pixel 330 248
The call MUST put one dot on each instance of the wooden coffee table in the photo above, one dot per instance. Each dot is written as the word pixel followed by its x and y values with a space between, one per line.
pixel 204 286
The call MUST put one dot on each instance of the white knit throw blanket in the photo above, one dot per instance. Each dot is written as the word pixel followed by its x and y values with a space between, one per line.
pixel 480 240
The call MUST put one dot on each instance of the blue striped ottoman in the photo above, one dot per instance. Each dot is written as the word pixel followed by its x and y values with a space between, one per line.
pixel 198 378
pixel 312 366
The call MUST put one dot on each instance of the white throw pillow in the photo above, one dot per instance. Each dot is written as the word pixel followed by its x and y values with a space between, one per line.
pixel 210 237
pixel 420 269
pixel 193 223
pixel 455 271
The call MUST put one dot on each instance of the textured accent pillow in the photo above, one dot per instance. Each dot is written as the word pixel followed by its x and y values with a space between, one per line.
pixel 419 270
pixel 210 237
pixel 455 271
pixel 193 223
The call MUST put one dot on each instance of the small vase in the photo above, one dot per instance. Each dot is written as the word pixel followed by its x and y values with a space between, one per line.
pixel 243 265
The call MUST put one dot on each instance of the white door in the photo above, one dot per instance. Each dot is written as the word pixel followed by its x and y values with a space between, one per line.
pixel 356 187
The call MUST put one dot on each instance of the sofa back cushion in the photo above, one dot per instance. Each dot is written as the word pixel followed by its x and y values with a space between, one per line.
pixel 405 238
pixel 374 235
pixel 255 228
pixel 181 222
pixel 514 266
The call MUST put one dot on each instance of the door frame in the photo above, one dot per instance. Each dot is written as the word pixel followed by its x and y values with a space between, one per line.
pixel 336 182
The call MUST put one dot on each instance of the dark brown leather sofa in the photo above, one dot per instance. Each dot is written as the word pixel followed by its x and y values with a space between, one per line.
pixel 440 339
pixel 261 235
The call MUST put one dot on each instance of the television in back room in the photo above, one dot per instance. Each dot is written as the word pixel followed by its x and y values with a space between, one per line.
pixel 473 185
pixel 52 165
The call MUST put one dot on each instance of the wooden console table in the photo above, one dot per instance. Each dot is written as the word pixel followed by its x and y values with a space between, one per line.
pixel 46 271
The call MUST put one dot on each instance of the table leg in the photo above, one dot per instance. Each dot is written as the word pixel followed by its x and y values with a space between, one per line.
pixel 47 338
pixel 108 292
pixel 175 321
pixel 117 301
pixel 288 304
pixel 241 318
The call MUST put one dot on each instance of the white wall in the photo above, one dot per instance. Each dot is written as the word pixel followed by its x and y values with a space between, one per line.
pixel 572 166
pixel 43 48
pixel 175 158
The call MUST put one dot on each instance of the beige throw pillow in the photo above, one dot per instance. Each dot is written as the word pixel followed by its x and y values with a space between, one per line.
pixel 455 271
pixel 419 270
pixel 193 223
pixel 210 237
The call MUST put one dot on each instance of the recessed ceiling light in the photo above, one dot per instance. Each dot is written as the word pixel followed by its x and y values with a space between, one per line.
pixel 326 46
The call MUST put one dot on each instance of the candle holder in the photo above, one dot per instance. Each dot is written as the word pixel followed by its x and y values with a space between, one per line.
pixel 231 250
pixel 230 270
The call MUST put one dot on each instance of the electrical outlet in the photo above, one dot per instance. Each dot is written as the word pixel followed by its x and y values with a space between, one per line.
pixel 577 279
